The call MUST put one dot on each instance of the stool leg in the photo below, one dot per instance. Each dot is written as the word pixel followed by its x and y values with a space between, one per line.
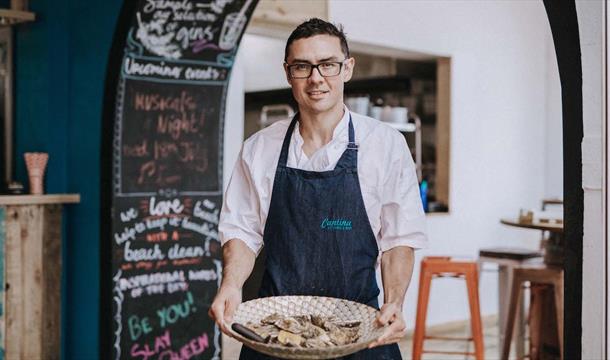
pixel 505 274
pixel 519 332
pixel 534 319
pixel 425 279
pixel 558 291
pixel 515 295
pixel 472 284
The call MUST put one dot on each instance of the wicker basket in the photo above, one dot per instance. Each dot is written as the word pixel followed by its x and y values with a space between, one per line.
pixel 342 310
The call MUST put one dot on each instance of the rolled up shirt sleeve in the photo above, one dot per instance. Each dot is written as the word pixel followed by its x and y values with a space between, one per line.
pixel 403 221
pixel 240 215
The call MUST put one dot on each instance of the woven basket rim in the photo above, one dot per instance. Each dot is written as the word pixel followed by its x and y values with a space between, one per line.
pixel 276 349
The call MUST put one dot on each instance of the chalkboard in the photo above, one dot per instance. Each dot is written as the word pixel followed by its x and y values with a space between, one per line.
pixel 162 141
pixel 171 138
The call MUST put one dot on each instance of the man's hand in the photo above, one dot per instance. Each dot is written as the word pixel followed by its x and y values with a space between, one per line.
pixel 390 314
pixel 238 261
pixel 224 305
pixel 396 270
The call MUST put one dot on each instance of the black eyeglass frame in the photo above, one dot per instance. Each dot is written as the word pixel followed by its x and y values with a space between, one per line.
pixel 316 66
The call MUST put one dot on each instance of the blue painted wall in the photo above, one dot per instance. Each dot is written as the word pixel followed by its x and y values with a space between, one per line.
pixel 60 65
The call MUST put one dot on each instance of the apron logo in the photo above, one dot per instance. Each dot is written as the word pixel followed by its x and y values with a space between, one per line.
pixel 337 224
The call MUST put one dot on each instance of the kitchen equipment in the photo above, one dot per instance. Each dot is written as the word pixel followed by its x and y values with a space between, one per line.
pixel 359 105
pixel 273 113
pixel 342 310
pixel 386 114
pixel 399 115
pixel 376 112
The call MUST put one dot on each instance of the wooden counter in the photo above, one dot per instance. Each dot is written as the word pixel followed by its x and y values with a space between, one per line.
pixel 39 199
pixel 30 274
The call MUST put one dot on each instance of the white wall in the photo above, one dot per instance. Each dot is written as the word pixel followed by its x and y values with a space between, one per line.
pixel 504 97
pixel 264 69
pixel 553 151
pixel 590 27
pixel 234 118
pixel 501 74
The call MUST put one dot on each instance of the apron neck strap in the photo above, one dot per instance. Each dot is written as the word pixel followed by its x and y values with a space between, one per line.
pixel 286 144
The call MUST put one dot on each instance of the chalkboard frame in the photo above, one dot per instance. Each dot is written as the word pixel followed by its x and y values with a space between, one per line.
pixel 106 199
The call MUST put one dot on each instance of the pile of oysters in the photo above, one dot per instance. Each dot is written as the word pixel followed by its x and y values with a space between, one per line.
pixel 308 331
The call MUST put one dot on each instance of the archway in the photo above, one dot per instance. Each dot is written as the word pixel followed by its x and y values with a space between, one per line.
pixel 564 26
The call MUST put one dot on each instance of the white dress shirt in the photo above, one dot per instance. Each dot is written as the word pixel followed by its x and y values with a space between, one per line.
pixel 386 172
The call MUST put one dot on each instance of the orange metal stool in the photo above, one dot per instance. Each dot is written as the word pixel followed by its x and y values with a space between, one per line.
pixel 433 267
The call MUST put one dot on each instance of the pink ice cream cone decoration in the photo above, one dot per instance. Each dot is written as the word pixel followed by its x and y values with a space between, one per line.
pixel 36 164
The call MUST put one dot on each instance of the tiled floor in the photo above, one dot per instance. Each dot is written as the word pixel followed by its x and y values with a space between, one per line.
pixel 490 332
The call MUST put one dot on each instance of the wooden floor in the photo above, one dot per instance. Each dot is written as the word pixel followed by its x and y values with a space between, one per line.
pixel 231 347
pixel 490 334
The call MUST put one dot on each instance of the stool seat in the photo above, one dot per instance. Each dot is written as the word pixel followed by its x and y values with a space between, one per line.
pixel 432 267
pixel 511 253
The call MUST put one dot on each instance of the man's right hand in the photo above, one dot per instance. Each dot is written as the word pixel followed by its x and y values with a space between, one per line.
pixel 224 305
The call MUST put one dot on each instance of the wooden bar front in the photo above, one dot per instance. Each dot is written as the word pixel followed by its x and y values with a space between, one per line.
pixel 30 248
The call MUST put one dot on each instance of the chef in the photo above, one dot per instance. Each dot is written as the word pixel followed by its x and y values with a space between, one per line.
pixel 330 194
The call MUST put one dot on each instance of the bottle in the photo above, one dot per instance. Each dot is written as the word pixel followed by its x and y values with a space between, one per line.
pixel 423 192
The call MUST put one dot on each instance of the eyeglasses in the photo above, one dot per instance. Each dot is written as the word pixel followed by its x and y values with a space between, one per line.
pixel 304 70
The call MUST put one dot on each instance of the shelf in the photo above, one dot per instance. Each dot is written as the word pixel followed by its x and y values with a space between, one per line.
pixel 403 127
pixel 400 84
pixel 13 17
pixel 39 199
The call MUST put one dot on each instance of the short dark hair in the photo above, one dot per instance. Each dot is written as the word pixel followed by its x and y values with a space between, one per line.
pixel 313 27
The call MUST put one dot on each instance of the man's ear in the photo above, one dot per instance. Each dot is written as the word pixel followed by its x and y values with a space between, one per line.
pixel 348 69
pixel 288 79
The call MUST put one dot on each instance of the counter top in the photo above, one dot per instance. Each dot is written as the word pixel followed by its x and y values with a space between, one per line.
pixel 39 199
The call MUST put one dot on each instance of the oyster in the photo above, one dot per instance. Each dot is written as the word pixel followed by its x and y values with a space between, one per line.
pixel 310 331
pixel 267 332
pixel 290 324
pixel 317 320
pixel 348 324
pixel 271 319
pixel 319 342
pixel 343 336
pixel 303 319
pixel 289 339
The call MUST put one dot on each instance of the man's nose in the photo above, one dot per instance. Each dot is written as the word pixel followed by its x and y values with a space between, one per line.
pixel 316 76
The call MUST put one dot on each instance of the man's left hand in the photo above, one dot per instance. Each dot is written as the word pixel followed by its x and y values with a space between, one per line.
pixel 390 313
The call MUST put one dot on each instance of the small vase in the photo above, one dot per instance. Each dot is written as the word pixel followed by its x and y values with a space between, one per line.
pixel 36 164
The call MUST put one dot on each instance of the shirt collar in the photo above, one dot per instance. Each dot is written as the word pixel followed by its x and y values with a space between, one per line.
pixel 339 129
pixel 338 135
pixel 342 125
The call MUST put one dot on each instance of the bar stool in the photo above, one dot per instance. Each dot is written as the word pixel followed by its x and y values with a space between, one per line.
pixel 434 267
pixel 508 258
pixel 536 274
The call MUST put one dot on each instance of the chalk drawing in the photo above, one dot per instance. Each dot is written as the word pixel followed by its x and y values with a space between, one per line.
pixel 118 299
pixel 152 36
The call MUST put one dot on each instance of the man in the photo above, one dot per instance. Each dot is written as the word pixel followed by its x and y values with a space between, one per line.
pixel 324 193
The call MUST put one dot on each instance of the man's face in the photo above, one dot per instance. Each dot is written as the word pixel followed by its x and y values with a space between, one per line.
pixel 318 94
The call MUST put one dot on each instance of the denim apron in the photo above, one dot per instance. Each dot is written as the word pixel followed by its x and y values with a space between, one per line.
pixel 318 238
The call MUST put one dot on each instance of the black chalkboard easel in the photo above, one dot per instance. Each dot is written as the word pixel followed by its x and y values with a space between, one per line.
pixel 165 94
